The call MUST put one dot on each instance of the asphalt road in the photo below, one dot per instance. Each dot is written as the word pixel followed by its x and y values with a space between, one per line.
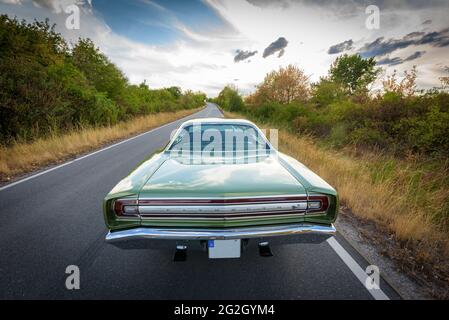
pixel 55 220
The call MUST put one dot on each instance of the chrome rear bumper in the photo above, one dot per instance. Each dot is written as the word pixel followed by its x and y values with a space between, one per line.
pixel 167 233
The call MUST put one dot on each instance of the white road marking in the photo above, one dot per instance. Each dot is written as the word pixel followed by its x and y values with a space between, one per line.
pixel 378 294
pixel 83 157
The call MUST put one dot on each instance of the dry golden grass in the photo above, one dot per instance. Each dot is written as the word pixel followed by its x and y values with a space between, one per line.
pixel 398 195
pixel 24 157
pixel 386 202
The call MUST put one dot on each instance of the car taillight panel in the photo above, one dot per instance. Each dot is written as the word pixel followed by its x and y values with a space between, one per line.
pixel 126 207
pixel 317 203
pixel 130 207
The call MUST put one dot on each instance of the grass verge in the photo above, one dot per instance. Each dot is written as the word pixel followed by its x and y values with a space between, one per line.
pixel 407 199
pixel 21 158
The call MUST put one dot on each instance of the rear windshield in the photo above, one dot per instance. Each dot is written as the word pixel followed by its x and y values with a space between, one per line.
pixel 217 139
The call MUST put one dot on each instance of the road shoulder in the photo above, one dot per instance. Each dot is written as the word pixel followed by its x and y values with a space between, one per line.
pixel 361 236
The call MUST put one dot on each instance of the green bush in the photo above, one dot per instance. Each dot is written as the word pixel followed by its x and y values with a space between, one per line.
pixel 265 111
pixel 104 112
pixel 326 92
pixel 429 134
pixel 285 114
pixel 229 99
pixel 368 136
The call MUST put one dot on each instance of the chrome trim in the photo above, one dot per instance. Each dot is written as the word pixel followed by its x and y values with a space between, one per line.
pixel 168 233
pixel 223 218
pixel 128 218
pixel 226 197
pixel 223 209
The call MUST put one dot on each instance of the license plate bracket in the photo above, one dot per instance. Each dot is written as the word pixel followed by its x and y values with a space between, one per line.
pixel 223 249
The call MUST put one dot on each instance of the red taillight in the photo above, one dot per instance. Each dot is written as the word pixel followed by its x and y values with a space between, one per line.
pixel 126 207
pixel 317 203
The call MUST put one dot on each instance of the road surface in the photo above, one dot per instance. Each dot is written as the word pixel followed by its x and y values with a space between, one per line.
pixel 54 220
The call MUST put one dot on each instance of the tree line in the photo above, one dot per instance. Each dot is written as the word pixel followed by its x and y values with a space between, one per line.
pixel 48 87
pixel 342 109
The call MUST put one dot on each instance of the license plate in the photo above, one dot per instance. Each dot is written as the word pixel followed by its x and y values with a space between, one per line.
pixel 219 249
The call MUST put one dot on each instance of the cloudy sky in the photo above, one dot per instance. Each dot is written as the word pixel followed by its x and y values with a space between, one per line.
pixel 206 44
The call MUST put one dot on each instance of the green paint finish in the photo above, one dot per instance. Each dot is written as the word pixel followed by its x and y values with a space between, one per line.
pixel 166 176
pixel 129 187
pixel 263 176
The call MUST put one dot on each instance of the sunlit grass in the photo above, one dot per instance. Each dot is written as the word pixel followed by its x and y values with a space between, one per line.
pixel 24 157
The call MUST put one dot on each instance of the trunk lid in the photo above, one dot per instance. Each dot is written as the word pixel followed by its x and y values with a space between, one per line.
pixel 258 176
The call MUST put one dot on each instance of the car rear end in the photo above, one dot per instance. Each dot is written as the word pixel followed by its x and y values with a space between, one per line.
pixel 221 206
pixel 204 223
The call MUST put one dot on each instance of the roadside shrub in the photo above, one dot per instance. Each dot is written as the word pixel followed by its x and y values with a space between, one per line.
pixel 230 100
pixel 429 134
pixel 368 137
pixel 326 92
pixel 285 114
pixel 105 111
pixel 338 136
pixel 317 123
pixel 265 111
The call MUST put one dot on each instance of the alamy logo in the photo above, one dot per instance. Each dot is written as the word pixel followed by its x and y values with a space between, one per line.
pixel 72 282
pixel 73 20
pixel 373 20
pixel 373 279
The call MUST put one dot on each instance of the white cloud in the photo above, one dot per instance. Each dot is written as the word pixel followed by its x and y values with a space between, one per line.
pixel 205 60
pixel 311 28
pixel 58 6
pixel 11 1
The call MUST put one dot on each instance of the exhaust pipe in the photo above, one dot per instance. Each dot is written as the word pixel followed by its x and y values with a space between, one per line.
pixel 265 250
pixel 180 253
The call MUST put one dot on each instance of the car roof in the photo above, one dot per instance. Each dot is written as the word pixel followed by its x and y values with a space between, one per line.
pixel 217 121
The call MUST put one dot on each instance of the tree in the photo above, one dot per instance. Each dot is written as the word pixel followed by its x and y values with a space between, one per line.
pixel 353 72
pixel 102 73
pixel 284 86
pixel 230 99
pixel 325 92
pixel 175 92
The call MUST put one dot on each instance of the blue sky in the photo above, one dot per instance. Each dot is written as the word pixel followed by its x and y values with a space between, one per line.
pixel 152 22
pixel 207 44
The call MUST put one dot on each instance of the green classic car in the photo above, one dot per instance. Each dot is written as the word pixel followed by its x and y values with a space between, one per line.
pixel 220 186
